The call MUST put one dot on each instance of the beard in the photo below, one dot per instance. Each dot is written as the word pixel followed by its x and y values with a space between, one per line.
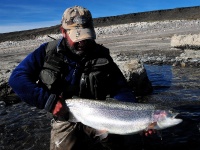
pixel 81 50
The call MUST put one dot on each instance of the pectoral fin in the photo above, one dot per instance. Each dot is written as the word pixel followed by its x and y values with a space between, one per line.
pixel 152 125
pixel 102 134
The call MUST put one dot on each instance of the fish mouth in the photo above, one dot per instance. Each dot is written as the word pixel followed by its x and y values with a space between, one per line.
pixel 168 122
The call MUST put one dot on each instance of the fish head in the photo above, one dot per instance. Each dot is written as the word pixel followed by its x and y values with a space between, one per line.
pixel 165 119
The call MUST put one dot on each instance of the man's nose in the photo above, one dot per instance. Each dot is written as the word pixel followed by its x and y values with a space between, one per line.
pixel 82 43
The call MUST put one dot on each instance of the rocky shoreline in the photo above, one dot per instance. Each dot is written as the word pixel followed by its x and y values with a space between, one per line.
pixel 146 42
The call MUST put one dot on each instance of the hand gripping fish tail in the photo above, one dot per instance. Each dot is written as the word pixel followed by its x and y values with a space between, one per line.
pixel 120 117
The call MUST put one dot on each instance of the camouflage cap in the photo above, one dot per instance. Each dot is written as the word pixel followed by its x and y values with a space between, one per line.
pixel 79 23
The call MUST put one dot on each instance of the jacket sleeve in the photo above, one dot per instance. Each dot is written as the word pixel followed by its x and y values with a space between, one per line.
pixel 122 91
pixel 24 77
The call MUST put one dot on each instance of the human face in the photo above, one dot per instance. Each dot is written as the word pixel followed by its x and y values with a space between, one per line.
pixel 80 48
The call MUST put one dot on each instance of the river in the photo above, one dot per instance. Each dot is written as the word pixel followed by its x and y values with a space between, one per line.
pixel 27 128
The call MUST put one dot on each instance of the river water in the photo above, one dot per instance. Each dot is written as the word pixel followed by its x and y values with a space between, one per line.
pixel 26 128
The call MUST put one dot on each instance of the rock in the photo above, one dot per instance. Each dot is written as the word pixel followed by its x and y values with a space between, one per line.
pixel 135 74
pixel 11 99
pixel 3 112
pixel 5 89
pixel 182 64
pixel 186 41
pixel 2 104
pixel 190 53
pixel 190 43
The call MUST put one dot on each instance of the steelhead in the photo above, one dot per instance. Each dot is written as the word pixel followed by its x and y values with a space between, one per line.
pixel 120 117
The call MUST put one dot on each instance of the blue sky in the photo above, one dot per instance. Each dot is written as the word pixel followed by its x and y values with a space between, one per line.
pixel 17 15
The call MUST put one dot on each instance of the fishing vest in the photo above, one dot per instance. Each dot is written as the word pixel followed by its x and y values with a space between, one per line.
pixel 95 81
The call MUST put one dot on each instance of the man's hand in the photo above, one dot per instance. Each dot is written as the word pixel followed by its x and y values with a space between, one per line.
pixel 57 106
pixel 150 129
pixel 60 108
pixel 149 132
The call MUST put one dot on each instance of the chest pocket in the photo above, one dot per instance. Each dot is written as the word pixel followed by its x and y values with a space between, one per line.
pixel 52 73
pixel 96 79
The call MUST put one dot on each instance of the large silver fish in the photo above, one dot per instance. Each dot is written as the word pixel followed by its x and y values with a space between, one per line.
pixel 120 117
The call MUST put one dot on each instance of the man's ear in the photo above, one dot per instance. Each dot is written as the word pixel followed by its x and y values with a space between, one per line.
pixel 63 31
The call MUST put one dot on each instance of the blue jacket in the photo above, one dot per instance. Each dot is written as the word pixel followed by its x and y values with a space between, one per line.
pixel 24 77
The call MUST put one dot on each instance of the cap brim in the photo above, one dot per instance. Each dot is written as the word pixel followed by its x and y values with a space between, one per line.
pixel 77 35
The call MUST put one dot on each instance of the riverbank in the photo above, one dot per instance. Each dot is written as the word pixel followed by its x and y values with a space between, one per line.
pixel 146 42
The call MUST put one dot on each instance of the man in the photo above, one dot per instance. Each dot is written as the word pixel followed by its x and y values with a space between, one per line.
pixel 74 66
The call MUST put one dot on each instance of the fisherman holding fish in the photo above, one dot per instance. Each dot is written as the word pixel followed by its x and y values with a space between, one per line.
pixel 72 67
